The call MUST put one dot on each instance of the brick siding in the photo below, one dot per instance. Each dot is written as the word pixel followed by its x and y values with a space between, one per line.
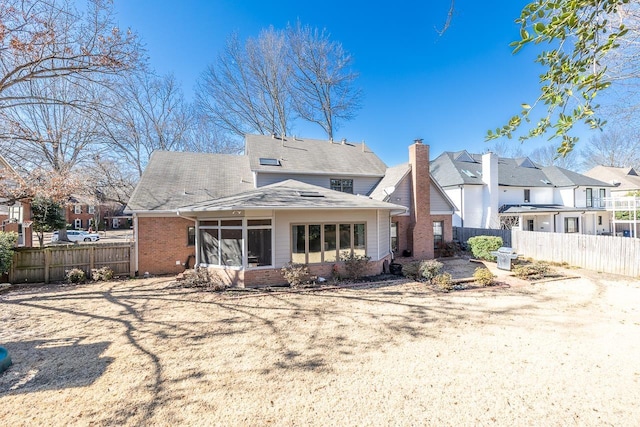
pixel 162 242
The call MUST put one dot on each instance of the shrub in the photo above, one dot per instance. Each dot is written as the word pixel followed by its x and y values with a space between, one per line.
pixel 355 265
pixel 76 276
pixel 99 274
pixel 535 271
pixel 444 282
pixel 201 278
pixel 446 249
pixel 411 270
pixel 430 269
pixel 483 276
pixel 7 243
pixel 296 274
pixel 481 246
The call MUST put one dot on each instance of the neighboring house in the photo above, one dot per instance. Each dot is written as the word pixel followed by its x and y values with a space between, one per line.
pixel 285 199
pixel 624 203
pixel 495 192
pixel 15 215
pixel 82 213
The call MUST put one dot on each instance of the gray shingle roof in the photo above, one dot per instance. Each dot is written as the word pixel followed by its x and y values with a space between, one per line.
pixel 290 194
pixel 172 179
pixel 298 155
pixel 391 178
pixel 449 172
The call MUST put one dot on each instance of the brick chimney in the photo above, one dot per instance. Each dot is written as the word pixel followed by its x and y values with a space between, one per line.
pixel 421 225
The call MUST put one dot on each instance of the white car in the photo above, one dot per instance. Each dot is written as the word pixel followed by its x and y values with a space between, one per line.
pixel 77 236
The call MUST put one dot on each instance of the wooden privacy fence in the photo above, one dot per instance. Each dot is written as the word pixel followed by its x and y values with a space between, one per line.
pixel 609 254
pixel 50 264
pixel 462 234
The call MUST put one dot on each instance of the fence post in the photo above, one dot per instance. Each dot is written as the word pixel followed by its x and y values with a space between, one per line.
pixel 47 264
pixel 92 259
pixel 132 261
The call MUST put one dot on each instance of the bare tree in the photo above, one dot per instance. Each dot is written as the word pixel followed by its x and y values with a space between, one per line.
pixel 548 156
pixel 614 147
pixel 246 90
pixel 205 137
pixel 51 39
pixel 148 114
pixel 507 149
pixel 322 84
pixel 53 136
pixel 259 86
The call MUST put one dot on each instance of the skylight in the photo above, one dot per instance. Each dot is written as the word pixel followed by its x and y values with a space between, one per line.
pixel 265 161
pixel 468 173
pixel 546 181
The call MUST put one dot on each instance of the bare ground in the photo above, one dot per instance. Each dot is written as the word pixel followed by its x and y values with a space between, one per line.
pixel 563 352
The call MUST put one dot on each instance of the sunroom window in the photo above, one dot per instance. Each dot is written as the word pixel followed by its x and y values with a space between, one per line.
pixel 317 243
pixel 222 243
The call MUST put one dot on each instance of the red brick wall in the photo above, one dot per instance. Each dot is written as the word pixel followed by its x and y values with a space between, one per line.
pixel 272 276
pixel 71 216
pixel 405 234
pixel 162 242
pixel 447 226
pixel 422 225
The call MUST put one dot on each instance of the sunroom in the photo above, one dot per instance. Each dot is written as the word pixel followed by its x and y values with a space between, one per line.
pixel 265 228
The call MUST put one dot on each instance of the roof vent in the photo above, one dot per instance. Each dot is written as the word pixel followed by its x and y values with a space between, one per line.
pixel 344 141
pixel 310 194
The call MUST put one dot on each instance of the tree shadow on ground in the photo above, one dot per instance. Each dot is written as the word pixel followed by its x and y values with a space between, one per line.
pixel 53 365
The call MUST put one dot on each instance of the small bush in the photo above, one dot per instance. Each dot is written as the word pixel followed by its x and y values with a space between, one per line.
pixel 482 246
pixel 7 244
pixel 102 274
pixel 296 274
pixel 535 271
pixel 355 265
pixel 201 278
pixel 76 276
pixel 444 282
pixel 430 269
pixel 483 276
pixel 411 270
pixel 446 249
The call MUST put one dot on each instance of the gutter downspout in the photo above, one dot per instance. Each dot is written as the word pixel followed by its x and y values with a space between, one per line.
pixel 461 186
pixel 135 243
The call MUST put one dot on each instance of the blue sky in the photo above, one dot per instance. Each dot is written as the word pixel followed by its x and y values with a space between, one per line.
pixel 447 90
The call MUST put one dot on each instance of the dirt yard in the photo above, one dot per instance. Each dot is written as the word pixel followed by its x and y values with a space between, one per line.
pixel 143 352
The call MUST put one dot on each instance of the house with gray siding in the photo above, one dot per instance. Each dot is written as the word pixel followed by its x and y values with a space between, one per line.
pixel 285 199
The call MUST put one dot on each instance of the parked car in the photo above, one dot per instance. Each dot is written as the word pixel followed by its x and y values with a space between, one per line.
pixel 77 236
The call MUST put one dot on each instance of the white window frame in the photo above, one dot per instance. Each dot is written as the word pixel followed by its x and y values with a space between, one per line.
pixel 77 209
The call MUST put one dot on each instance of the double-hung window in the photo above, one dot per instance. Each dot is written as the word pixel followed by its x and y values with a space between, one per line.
pixel 343 185
pixel 589 197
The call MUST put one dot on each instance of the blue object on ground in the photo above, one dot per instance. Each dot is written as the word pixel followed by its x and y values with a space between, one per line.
pixel 5 359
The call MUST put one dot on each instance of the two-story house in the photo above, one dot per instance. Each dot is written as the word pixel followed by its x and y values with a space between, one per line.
pixel 496 192
pixel 285 199
pixel 624 203
pixel 15 215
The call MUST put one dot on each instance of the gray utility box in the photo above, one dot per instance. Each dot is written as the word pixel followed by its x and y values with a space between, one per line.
pixel 504 256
